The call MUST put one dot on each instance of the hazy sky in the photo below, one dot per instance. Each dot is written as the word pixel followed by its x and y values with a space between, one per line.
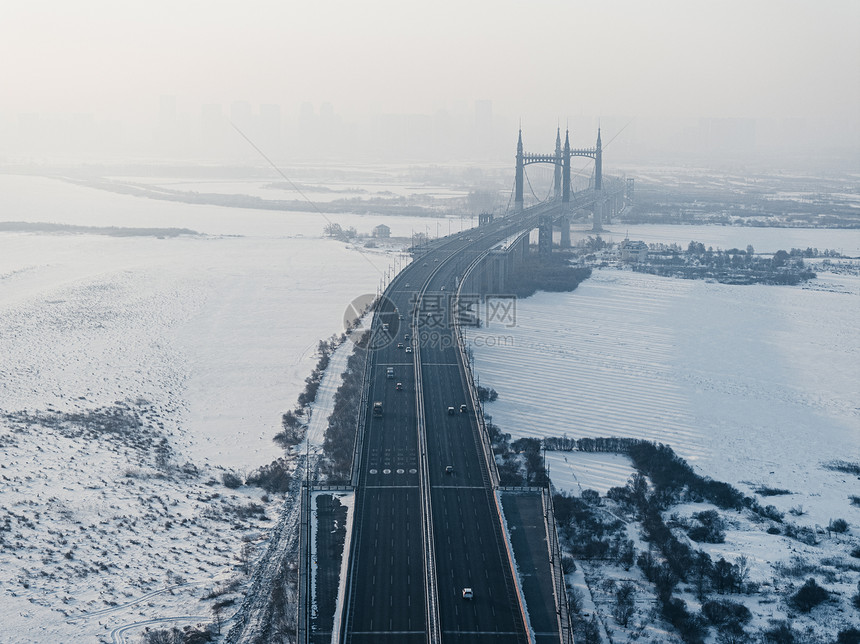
pixel 539 59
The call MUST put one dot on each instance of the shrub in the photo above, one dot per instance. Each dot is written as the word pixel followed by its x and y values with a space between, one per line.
pixel 568 565
pixel 230 480
pixel 710 530
pixel 770 512
pixel 273 477
pixel 726 613
pixel 487 394
pixel 690 627
pixel 771 491
pixel 809 596
pixel 780 633
pixel 839 526
pixel 844 466
pixel 848 636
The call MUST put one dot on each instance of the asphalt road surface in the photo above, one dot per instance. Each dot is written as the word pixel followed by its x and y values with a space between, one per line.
pixel 387 589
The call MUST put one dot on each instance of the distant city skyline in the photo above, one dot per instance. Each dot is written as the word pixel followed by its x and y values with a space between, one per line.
pixel 88 77
pixel 184 132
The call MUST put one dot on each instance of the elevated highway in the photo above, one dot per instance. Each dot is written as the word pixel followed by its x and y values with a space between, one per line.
pixel 428 520
pixel 427 523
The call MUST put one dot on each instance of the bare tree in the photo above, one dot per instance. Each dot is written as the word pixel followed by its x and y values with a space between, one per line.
pixel 624 603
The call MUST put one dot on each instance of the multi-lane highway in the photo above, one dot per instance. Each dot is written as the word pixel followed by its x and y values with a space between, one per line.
pixel 426 522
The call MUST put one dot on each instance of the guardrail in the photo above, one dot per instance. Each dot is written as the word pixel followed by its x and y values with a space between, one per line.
pixel 562 609
pixel 362 405
pixel 356 462
pixel 432 595
pixel 303 599
pixel 469 377
pixel 492 469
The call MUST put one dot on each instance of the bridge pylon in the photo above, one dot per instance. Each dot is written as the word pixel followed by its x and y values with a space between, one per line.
pixel 518 192
pixel 565 198
pixel 561 159
pixel 556 186
pixel 564 224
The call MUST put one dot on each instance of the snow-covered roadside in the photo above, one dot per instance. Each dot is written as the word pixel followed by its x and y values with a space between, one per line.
pixel 518 579
pixel 323 405
pixel 347 499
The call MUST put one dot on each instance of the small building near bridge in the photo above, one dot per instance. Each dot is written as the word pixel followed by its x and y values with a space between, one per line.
pixel 382 231
pixel 634 252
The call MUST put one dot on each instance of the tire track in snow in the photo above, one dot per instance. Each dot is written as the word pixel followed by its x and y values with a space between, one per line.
pixel 117 635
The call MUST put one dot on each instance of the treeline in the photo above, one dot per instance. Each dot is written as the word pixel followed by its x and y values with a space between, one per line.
pixel 669 473
pixel 292 422
pixel 519 462
pixel 670 560
pixel 551 272
pixel 789 277
pixel 732 266
pixel 339 444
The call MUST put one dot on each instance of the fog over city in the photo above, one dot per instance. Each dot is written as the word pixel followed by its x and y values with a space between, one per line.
pixel 386 80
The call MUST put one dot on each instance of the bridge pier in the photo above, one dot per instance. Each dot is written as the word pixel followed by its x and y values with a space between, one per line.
pixel 545 236
pixel 609 211
pixel 518 252
pixel 597 226
pixel 564 224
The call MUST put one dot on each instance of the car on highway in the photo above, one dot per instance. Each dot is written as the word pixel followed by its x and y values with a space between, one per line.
pixel 408 349
pixel 449 469
pixel 398 386
pixel 463 409
pixel 451 411
pixel 467 593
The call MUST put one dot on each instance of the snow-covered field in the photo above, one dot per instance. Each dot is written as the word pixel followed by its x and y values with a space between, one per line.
pixel 133 372
pixel 753 385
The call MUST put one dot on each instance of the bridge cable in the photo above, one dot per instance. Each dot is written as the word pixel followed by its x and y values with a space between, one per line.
pixel 530 185
pixel 582 169
pixel 513 186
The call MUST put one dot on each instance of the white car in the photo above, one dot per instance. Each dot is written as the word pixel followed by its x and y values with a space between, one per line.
pixel 408 349
pixel 467 593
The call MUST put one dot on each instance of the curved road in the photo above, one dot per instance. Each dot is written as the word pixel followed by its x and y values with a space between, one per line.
pixel 389 582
